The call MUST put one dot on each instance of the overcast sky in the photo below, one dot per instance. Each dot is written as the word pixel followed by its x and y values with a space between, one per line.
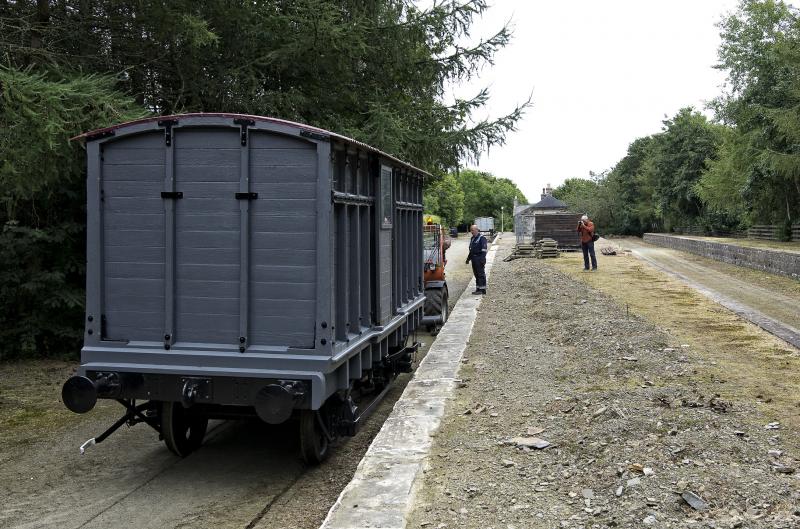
pixel 602 74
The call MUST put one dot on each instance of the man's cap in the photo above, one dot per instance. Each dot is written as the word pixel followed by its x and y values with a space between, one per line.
pixel 585 217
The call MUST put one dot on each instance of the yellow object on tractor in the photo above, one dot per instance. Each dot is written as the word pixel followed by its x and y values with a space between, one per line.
pixel 435 243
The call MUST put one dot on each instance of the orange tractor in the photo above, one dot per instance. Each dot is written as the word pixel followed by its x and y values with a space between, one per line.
pixel 435 243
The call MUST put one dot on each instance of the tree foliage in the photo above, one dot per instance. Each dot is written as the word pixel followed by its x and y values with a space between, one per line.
pixel 376 71
pixel 42 243
pixel 655 185
pixel 445 198
pixel 761 157
pixel 688 140
pixel 462 197
pixel 580 194
pixel 486 195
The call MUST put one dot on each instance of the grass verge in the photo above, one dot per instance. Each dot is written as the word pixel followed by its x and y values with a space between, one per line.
pixel 741 361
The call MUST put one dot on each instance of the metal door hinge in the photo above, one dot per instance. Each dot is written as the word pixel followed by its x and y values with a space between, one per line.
pixel 168 124
pixel 244 123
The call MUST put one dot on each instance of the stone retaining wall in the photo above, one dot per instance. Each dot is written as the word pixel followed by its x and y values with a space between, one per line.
pixel 774 261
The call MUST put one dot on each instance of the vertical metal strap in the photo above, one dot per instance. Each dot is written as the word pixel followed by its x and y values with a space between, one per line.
pixel 244 236
pixel 420 287
pixel 403 257
pixel 367 267
pixel 396 295
pixel 342 272
pixel 355 269
pixel 325 281
pixel 95 262
pixel 408 249
pixel 409 252
pixel 170 207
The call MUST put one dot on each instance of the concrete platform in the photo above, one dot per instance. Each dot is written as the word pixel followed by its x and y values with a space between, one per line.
pixel 382 491
pixel 779 327
pixel 784 259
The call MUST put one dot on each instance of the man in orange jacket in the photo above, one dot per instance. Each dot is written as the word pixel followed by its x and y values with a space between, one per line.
pixel 586 227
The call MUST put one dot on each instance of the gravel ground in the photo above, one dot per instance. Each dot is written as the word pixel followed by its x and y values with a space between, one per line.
pixel 633 421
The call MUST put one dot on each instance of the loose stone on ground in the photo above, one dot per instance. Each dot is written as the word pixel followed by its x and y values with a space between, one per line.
pixel 637 438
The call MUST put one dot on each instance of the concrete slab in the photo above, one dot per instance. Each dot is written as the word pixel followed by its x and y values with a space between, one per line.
pixel 415 407
pixel 381 493
pixel 429 389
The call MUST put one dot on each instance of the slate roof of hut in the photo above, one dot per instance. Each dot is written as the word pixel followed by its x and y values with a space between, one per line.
pixel 549 202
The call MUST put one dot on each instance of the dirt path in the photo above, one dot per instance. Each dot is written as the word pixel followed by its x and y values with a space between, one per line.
pixel 247 475
pixel 637 419
pixel 777 311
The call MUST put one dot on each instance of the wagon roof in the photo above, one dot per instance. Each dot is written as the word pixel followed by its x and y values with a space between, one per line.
pixel 88 136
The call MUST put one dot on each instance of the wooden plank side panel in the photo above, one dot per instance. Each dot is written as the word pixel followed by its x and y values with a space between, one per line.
pixel 558 226
pixel 133 238
pixel 283 171
pixel 207 173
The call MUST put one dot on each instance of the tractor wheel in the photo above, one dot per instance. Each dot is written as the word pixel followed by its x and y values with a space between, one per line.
pixel 314 445
pixel 435 305
pixel 183 434
pixel 433 301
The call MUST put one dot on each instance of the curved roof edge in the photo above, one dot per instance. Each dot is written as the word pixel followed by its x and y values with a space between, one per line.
pixel 103 132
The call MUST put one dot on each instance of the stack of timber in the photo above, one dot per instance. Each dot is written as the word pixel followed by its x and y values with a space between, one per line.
pixel 561 227
pixel 520 251
pixel 546 248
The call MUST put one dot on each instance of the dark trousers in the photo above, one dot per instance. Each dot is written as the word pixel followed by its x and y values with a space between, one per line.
pixel 478 270
pixel 588 249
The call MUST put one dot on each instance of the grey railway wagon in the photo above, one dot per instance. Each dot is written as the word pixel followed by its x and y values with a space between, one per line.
pixel 245 264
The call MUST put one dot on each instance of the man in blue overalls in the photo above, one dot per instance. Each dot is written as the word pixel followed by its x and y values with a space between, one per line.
pixel 478 246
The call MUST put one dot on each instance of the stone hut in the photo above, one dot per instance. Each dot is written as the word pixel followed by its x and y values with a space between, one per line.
pixel 548 218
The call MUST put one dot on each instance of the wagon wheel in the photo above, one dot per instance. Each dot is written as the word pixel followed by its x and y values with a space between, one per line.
pixel 314 445
pixel 183 433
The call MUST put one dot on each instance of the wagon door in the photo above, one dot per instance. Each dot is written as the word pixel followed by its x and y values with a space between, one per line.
pixel 209 239
pixel 207 235
pixel 283 239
